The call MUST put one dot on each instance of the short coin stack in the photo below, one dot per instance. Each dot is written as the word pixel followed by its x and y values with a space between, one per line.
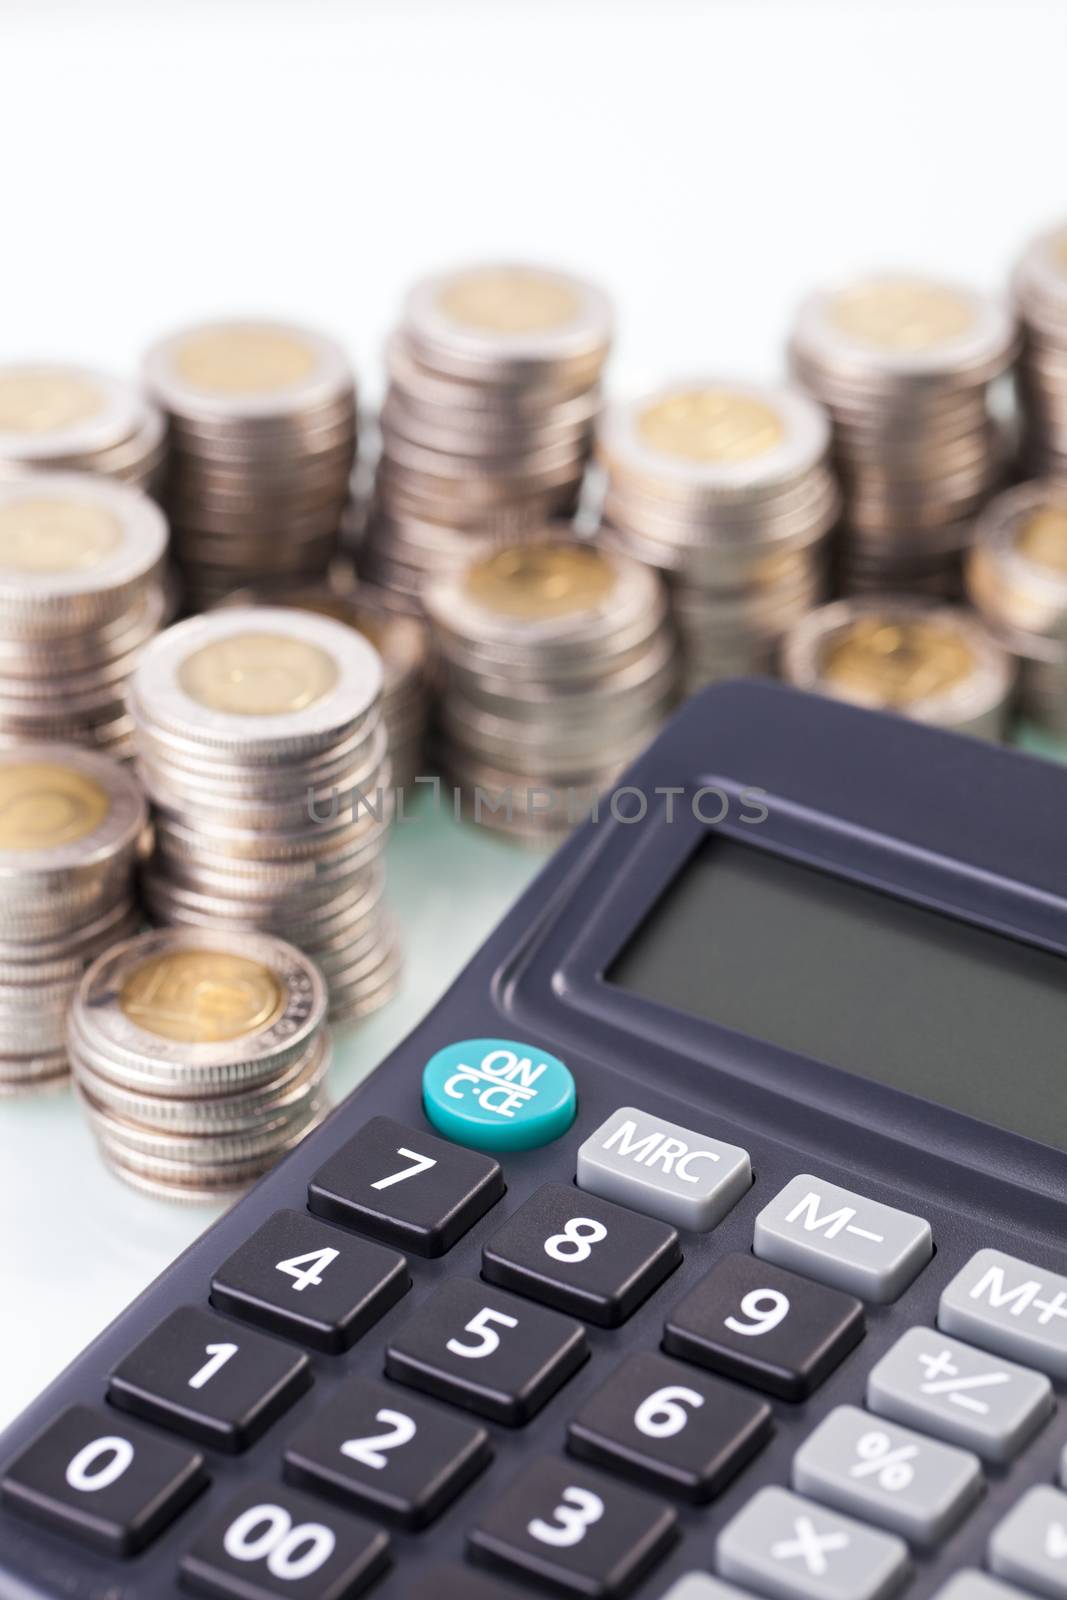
pixel 493 393
pixel 1017 578
pixel 1041 301
pixel 905 367
pixel 559 665
pixel 933 663
pixel 200 1057
pixel 70 825
pixel 81 592
pixel 260 744
pixel 262 421
pixel 67 419
pixel 723 487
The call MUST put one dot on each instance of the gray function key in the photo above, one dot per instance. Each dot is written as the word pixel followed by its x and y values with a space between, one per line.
pixel 970 1584
pixel 844 1239
pixel 788 1548
pixel 887 1475
pixel 1007 1305
pixel 1030 1545
pixel 940 1386
pixel 699 1586
pixel 664 1170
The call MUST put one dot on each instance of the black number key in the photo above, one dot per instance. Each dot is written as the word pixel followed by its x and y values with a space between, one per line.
pixel 406 1188
pixel 671 1428
pixel 765 1326
pixel 486 1351
pixel 272 1541
pixel 582 1255
pixel 203 1377
pixel 397 1457
pixel 110 1484
pixel 568 1527
pixel 297 1277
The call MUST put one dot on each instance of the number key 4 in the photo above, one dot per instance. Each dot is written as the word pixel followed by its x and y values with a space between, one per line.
pixel 581 1254
pixel 765 1326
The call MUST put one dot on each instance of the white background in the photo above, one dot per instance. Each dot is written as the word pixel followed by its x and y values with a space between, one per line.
pixel 707 163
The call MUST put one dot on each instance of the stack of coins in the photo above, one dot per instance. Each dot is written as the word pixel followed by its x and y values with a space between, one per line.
pixel 931 662
pixel 262 421
pixel 70 825
pixel 1017 578
pixel 905 367
pixel 1041 301
pixel 725 489
pixel 81 592
pixel 260 744
pixel 67 419
pixel 493 394
pixel 200 1058
pixel 559 665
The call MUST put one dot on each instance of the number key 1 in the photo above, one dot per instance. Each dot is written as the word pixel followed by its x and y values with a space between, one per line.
pixel 765 1326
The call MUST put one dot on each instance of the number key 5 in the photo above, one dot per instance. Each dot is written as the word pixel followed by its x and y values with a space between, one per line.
pixel 765 1326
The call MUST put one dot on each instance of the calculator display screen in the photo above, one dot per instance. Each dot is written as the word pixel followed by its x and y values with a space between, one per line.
pixel 860 980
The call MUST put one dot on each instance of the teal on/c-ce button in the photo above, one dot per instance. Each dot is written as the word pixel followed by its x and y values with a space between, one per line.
pixel 498 1094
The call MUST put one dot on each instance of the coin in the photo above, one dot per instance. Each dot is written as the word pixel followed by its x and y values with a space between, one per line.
pixel 1040 289
pixel 56 418
pixel 930 662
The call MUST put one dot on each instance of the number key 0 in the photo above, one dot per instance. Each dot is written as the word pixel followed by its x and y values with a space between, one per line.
pixel 765 1326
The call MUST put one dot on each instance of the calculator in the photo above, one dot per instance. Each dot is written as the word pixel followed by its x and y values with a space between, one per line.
pixel 707 1239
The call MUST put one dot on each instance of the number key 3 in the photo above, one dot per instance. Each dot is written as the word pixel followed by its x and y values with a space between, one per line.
pixel 581 1254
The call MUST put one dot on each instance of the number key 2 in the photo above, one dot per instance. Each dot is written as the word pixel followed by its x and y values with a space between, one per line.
pixel 406 1188
pixel 765 1326
pixel 581 1254
pixel 297 1277
pixel 574 1530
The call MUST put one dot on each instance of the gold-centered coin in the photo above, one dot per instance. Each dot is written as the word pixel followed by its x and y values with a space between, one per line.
pixel 46 402
pixel 540 580
pixel 897 663
pixel 898 314
pixel 258 674
pixel 711 426
pixel 244 360
pixel 1042 538
pixel 44 805
pixel 202 996
pixel 509 302
pixel 41 535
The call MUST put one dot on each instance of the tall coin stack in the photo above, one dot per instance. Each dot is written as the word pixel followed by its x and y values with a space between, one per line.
pixel 493 393
pixel 1041 300
pixel 262 430
pixel 70 825
pixel 1017 578
pixel 559 665
pixel 67 419
pixel 200 1058
pixel 930 662
pixel 905 367
pixel 81 592
pixel 725 489
pixel 261 746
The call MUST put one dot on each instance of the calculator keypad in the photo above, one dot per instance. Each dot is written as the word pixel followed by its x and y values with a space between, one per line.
pixel 270 1541
pixel 387 1453
pixel 405 1188
pixel 1030 1545
pixel 664 1170
pixel 940 1386
pixel 887 1475
pixel 1011 1308
pixel 843 1239
pixel 787 1547
pixel 672 1428
pixel 771 1329
pixel 575 1531
pixel 486 1351
pixel 582 1255
pixel 204 1378
pixel 310 1282
pixel 102 1480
